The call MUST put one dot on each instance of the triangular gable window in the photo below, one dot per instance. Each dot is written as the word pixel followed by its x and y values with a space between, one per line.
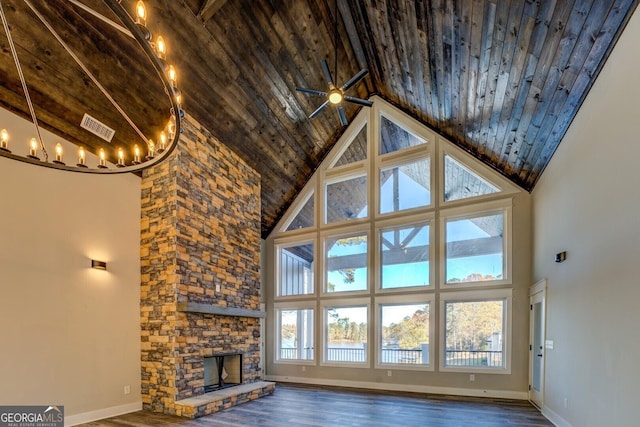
pixel 304 217
pixel 460 182
pixel 356 151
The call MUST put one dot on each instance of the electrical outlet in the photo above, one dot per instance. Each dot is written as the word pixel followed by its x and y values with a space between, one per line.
pixel 304 368
pixel 388 373
pixel 127 389
pixel 218 288
pixel 472 377
pixel 566 403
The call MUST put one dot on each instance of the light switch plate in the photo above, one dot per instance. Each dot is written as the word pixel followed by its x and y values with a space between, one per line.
pixel 548 344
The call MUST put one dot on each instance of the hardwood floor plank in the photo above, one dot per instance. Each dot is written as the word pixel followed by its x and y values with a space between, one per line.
pixel 294 405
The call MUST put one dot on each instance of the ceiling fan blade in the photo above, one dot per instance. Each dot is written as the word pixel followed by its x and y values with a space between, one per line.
pixel 355 79
pixel 319 109
pixel 327 73
pixel 311 91
pixel 358 101
pixel 343 116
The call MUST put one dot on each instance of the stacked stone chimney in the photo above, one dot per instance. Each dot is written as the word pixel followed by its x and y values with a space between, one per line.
pixel 200 250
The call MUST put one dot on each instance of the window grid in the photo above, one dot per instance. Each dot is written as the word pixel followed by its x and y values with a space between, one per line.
pixel 339 219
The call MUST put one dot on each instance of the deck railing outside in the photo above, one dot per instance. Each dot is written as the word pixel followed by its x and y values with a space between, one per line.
pixel 453 357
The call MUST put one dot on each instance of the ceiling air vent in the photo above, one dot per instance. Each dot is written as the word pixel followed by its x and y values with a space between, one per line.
pixel 97 128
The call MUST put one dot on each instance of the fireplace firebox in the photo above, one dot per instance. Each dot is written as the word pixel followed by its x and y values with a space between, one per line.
pixel 222 371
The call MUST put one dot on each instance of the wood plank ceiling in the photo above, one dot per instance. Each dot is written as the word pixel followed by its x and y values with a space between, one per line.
pixel 501 78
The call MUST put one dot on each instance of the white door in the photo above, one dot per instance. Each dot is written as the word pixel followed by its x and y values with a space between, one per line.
pixel 536 343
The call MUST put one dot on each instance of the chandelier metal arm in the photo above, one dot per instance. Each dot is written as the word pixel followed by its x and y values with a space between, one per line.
pixel 131 29
pixel 22 80
pixel 86 71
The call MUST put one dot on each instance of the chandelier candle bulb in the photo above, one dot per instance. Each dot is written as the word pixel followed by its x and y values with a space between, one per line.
pixel 33 149
pixel 102 162
pixel 163 142
pixel 141 13
pixel 171 126
pixel 141 20
pixel 81 158
pixel 161 48
pixel 58 159
pixel 4 140
pixel 120 163
pixel 136 155
pixel 172 75
pixel 150 150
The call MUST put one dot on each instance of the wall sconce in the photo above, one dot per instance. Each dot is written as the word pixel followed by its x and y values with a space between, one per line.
pixel 561 256
pixel 98 265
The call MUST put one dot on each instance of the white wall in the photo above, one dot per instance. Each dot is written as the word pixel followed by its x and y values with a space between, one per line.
pixel 69 335
pixel 588 203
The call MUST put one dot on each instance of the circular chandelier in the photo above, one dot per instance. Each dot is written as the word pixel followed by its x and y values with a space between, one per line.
pixel 151 145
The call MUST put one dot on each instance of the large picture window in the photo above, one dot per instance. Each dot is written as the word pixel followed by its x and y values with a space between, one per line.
pixel 404 332
pixel 346 334
pixel 476 330
pixel 295 334
pixel 474 248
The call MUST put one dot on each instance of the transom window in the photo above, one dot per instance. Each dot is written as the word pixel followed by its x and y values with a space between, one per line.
pixel 405 186
pixel 346 199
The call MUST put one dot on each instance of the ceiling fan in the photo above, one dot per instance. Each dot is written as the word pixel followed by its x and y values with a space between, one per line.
pixel 335 95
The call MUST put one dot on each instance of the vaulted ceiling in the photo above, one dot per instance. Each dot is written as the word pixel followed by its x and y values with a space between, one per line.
pixel 502 79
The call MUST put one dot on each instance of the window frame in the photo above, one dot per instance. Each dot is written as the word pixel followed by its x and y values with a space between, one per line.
pixel 502 206
pixel 435 214
pixel 478 296
pixel 392 300
pixel 327 304
pixel 300 305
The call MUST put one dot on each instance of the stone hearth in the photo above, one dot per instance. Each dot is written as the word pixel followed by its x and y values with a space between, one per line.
pixel 200 291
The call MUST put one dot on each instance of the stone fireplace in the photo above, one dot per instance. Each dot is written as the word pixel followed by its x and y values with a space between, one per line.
pixel 200 291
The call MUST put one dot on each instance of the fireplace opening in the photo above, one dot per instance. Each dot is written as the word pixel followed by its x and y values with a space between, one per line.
pixel 222 371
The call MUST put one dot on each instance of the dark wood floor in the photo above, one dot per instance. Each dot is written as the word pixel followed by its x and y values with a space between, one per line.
pixel 298 406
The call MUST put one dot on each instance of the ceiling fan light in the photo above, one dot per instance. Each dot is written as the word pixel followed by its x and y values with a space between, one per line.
pixel 335 96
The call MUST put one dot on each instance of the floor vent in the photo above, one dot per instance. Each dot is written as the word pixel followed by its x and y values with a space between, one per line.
pixel 97 128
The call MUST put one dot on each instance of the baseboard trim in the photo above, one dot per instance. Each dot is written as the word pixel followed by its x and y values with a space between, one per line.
pixel 502 394
pixel 100 414
pixel 556 419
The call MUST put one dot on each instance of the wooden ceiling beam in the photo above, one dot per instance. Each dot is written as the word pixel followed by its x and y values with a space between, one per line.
pixel 209 8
